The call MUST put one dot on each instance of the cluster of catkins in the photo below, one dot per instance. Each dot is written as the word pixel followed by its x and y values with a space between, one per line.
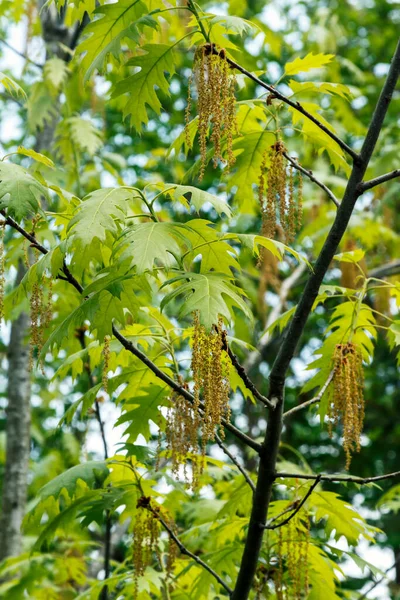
pixel 346 399
pixel 216 104
pixel 146 532
pixel 186 422
pixel 292 552
pixel 276 192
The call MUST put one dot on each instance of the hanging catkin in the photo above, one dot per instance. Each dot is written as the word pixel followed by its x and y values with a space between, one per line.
pixel 346 396
pixel 276 192
pixel 216 105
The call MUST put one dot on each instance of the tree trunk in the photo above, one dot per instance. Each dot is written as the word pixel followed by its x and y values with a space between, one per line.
pixel 18 434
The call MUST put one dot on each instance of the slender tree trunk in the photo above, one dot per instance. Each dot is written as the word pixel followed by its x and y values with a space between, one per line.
pixel 18 434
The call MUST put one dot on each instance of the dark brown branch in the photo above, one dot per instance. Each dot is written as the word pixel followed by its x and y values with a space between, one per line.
pixel 269 451
pixel 338 478
pixel 187 552
pixel 314 400
pixel 235 461
pixel 311 177
pixel 245 378
pixel 367 185
pixel 298 507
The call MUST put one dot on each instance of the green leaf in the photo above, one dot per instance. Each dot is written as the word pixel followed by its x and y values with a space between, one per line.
pixel 143 409
pixel 146 243
pixel 85 135
pixel 98 215
pixel 36 156
pixel 311 61
pixel 55 73
pixel 234 25
pixel 157 60
pixel 320 87
pixel 211 294
pixel 216 254
pixel 117 20
pixel 12 87
pixel 353 256
pixel 20 192
pixel 192 196
pixel 41 106
pixel 249 151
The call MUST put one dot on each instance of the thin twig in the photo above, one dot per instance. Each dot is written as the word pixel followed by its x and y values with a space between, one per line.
pixel 338 478
pixel 312 177
pixel 367 185
pixel 376 583
pixel 391 268
pixel 234 460
pixel 187 552
pixel 21 54
pixel 298 507
pixel 246 379
pixel 314 400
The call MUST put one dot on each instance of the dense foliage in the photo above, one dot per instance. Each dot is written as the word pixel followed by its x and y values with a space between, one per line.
pixel 200 217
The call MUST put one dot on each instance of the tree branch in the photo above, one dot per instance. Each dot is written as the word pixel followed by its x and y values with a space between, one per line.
pixel 270 446
pixel 312 178
pixel 391 268
pixel 314 400
pixel 338 478
pixel 298 507
pixel 235 461
pixel 367 185
pixel 21 54
pixel 245 378
pixel 187 552
pixel 378 581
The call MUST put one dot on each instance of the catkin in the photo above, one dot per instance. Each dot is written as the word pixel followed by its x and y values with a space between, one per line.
pixel 292 550
pixel 106 362
pixel 216 105
pixel 210 367
pixel 346 400
pixel 276 193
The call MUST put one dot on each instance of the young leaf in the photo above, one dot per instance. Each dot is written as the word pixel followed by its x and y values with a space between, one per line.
pixel 12 87
pixel 36 156
pixel 116 21
pixel 210 294
pixel 20 192
pixel 311 61
pixel 157 60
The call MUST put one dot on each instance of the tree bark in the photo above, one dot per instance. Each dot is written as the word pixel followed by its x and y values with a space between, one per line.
pixel 18 434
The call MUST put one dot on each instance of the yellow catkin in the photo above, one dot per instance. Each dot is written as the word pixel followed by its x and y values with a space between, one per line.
pixel 48 310
pixel 346 396
pixel 187 113
pixel 2 270
pixel 276 194
pixel 106 362
pixel 36 313
pixel 216 105
pixel 210 368
pixel 145 536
